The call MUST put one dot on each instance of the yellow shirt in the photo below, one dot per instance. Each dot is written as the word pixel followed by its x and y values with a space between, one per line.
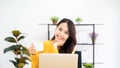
pixel 48 48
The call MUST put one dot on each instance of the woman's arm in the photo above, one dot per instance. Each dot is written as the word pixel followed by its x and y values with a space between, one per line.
pixel 34 55
pixel 36 47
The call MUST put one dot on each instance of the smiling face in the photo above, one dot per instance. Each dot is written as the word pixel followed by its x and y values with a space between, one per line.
pixel 61 33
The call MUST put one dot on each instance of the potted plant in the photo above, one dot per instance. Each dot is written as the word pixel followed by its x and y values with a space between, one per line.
pixel 21 52
pixel 88 65
pixel 93 36
pixel 54 19
pixel 78 20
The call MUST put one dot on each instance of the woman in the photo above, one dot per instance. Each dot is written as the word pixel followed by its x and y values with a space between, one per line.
pixel 63 41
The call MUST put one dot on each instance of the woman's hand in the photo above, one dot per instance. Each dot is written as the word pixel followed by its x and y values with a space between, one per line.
pixel 57 44
pixel 32 49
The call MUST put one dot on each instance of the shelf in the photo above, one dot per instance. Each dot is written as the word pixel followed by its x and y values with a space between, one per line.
pixel 84 44
pixel 89 44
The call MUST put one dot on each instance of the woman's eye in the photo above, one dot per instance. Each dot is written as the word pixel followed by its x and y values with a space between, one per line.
pixel 66 33
pixel 60 29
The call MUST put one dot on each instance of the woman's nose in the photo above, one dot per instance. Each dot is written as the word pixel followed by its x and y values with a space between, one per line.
pixel 62 33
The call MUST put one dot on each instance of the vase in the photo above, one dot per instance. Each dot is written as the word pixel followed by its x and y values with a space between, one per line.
pixel 54 22
pixel 93 40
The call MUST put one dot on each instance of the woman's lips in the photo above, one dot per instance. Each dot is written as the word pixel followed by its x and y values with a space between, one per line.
pixel 58 37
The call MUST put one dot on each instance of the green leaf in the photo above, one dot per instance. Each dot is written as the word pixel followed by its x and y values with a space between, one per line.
pixel 23 59
pixel 25 51
pixel 21 37
pixel 54 18
pixel 17 59
pixel 21 65
pixel 14 62
pixel 88 65
pixel 10 48
pixel 10 39
pixel 78 19
pixel 16 33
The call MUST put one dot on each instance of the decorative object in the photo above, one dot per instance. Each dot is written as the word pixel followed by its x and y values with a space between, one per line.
pixel 78 20
pixel 88 65
pixel 54 19
pixel 21 52
pixel 93 36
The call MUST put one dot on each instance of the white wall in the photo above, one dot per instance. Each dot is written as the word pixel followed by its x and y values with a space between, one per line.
pixel 25 15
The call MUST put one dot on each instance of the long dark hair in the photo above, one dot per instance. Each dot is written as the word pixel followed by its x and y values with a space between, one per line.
pixel 71 41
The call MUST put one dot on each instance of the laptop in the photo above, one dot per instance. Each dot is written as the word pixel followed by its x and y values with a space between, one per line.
pixel 58 60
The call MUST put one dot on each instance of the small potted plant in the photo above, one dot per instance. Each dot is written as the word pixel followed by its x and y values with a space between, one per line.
pixel 21 52
pixel 88 65
pixel 93 36
pixel 54 19
pixel 78 20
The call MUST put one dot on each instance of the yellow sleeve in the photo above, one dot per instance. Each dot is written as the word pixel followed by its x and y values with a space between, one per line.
pixel 35 60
